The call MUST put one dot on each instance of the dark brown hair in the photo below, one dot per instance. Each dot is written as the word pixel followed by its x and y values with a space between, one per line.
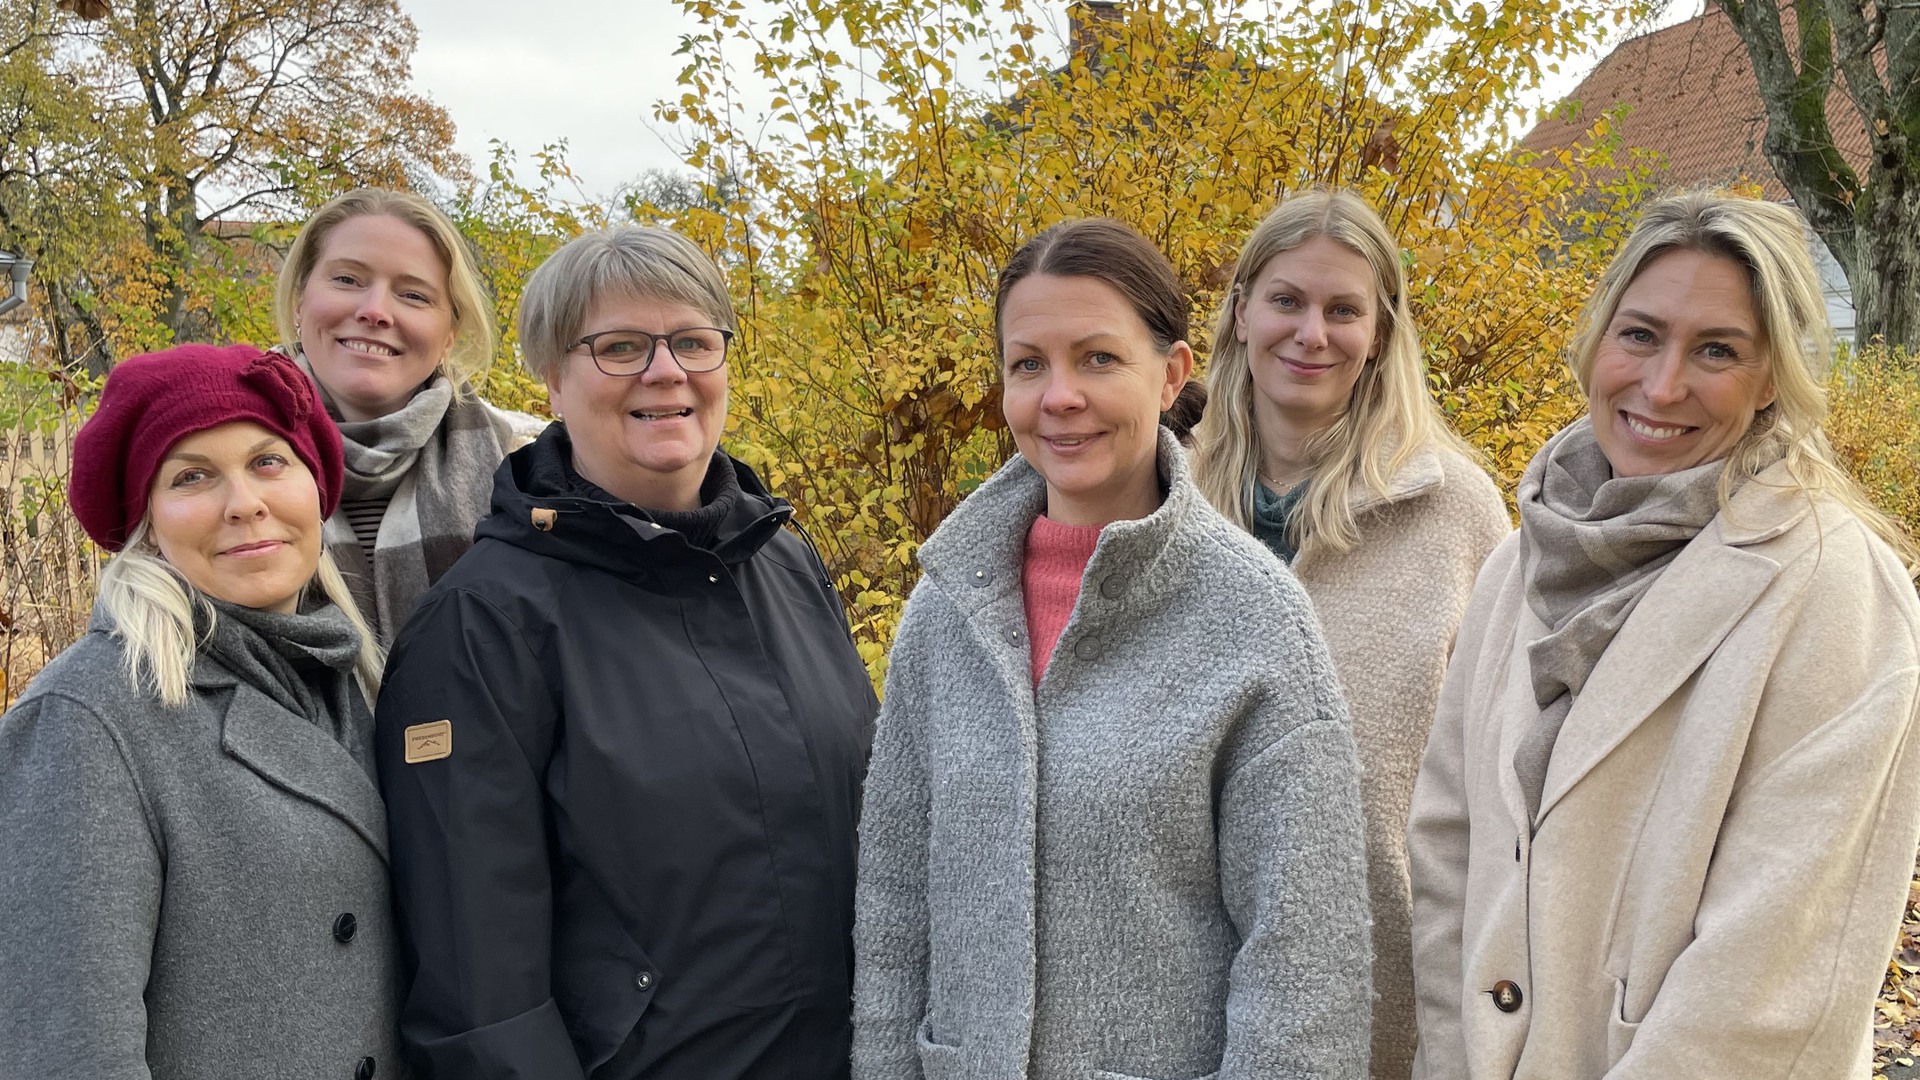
pixel 1186 410
pixel 1106 250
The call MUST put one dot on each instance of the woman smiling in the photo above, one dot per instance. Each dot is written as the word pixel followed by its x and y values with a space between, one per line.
pixel 380 301
pixel 1102 837
pixel 1321 438
pixel 186 795
pixel 622 739
pixel 1666 821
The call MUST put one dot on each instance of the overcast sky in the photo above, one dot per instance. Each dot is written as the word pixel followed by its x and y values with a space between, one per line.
pixel 587 71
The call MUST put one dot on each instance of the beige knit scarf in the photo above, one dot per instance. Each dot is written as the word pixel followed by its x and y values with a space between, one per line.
pixel 1593 545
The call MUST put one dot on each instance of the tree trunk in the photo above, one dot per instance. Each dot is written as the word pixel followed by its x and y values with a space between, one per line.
pixel 1886 276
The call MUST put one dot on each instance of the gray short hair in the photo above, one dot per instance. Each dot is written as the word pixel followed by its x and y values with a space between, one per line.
pixel 629 260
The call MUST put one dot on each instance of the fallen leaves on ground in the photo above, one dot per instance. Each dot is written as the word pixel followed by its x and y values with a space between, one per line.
pixel 1896 1016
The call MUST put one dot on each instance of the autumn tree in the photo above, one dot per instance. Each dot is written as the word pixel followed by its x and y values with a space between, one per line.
pixel 1801 50
pixel 513 222
pixel 56 205
pixel 907 151
pixel 202 112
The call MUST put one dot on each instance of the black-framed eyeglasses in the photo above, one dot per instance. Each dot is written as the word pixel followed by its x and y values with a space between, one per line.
pixel 631 352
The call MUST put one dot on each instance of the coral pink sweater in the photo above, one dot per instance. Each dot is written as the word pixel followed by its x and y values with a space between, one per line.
pixel 1056 559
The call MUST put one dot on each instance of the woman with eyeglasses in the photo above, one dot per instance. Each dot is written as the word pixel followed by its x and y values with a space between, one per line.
pixel 622 739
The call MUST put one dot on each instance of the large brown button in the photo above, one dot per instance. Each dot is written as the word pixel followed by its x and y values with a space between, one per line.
pixel 1506 995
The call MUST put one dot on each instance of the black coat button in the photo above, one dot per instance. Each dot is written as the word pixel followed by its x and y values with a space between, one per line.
pixel 1506 995
pixel 344 928
pixel 364 1070
pixel 643 981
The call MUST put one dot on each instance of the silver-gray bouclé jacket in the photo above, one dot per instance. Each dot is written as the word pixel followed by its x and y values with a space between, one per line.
pixel 1151 866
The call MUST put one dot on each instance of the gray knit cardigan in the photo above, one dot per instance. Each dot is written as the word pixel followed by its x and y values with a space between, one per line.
pixel 1149 866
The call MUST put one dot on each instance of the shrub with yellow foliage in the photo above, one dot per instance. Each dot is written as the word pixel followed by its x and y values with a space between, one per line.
pixel 888 195
pixel 1874 425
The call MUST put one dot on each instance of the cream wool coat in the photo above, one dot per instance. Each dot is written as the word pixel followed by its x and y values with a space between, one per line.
pixel 1389 608
pixel 1722 852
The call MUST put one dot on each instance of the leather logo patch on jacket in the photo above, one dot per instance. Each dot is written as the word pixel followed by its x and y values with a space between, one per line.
pixel 429 742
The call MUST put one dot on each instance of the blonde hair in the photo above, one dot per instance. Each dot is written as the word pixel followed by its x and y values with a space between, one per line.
pixel 153 610
pixel 473 331
pixel 1390 417
pixel 1772 243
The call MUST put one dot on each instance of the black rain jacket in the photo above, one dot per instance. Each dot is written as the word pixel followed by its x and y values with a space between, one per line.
pixel 629 852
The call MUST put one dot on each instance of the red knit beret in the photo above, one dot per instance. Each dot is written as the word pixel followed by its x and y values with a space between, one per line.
pixel 153 401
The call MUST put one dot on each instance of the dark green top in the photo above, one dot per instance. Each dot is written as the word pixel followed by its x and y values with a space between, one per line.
pixel 1273 518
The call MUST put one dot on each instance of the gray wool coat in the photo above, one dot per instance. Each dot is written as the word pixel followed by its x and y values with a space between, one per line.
pixel 176 885
pixel 1151 866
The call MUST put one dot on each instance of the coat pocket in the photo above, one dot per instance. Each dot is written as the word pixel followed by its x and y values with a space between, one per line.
pixel 1106 1074
pixel 1620 1031
pixel 938 1061
pixel 602 980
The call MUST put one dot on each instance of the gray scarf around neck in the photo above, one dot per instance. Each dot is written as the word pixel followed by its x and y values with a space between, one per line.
pixel 1273 517
pixel 433 462
pixel 1592 543
pixel 302 661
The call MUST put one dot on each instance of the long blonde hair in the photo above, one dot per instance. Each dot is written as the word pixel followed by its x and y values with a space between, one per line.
pixel 473 332
pixel 1390 417
pixel 1773 244
pixel 153 610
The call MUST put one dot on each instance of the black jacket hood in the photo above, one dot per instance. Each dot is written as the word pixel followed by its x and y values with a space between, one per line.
pixel 541 505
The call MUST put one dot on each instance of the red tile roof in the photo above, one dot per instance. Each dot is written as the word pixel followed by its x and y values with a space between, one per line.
pixel 1693 99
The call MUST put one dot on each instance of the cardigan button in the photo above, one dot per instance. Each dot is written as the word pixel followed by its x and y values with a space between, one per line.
pixel 982 578
pixel 1013 637
pixel 713 579
pixel 1506 995
pixel 345 927
pixel 1113 586
pixel 1088 647
pixel 364 1070
pixel 643 981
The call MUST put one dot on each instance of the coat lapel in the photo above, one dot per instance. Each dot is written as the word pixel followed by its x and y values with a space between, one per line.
pixel 1676 628
pixel 303 761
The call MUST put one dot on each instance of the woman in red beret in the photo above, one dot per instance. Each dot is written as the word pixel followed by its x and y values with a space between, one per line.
pixel 192 844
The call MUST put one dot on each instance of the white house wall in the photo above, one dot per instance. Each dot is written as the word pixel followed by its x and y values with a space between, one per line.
pixel 1833 284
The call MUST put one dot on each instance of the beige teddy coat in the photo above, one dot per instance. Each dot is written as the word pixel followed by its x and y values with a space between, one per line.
pixel 1389 608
